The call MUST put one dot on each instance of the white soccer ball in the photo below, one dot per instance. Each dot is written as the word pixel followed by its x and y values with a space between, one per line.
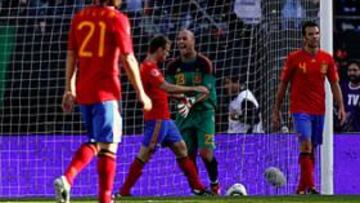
pixel 237 189
pixel 275 177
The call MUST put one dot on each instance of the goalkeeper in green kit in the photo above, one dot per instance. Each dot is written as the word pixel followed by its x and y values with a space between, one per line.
pixel 196 114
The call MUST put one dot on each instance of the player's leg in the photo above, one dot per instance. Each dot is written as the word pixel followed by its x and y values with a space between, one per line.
pixel 302 125
pixel 190 140
pixel 174 140
pixel 107 126
pixel 135 170
pixel 206 143
pixel 316 140
pixel 80 159
pixel 154 131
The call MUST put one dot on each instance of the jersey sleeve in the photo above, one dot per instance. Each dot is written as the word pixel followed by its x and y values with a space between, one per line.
pixel 332 73
pixel 71 44
pixel 155 77
pixel 208 77
pixel 288 69
pixel 122 34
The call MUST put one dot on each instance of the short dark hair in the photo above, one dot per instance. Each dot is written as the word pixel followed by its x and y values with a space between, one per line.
pixel 159 41
pixel 354 61
pixel 307 24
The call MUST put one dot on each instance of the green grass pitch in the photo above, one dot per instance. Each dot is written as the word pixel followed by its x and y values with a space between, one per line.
pixel 279 199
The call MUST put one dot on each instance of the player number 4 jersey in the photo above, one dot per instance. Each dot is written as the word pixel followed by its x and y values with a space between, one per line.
pixel 306 74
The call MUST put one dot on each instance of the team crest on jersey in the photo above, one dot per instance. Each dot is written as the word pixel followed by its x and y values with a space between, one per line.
pixel 324 68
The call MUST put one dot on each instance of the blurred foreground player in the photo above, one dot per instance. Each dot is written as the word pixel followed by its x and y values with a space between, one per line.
pixel 98 36
pixel 159 129
pixel 306 70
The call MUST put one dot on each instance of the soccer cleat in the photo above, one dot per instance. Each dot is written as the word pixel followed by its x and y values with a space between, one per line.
pixel 215 189
pixel 62 190
pixel 300 192
pixel 118 195
pixel 313 191
pixel 202 192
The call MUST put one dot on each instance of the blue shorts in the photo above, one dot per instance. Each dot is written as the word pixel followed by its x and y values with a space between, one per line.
pixel 309 127
pixel 103 121
pixel 160 133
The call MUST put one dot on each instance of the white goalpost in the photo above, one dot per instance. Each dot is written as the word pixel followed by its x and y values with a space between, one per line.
pixel 327 149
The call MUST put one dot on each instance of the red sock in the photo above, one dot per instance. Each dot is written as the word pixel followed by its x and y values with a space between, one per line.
pixel 189 169
pixel 193 159
pixel 81 158
pixel 306 172
pixel 311 180
pixel 134 174
pixel 106 169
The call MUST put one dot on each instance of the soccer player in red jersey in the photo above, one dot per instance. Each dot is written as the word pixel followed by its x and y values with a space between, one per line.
pixel 98 37
pixel 159 129
pixel 306 70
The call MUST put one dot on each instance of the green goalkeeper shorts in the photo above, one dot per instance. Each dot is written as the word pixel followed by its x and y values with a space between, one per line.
pixel 198 130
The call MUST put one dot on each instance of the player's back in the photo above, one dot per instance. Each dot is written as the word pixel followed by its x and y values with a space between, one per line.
pixel 96 37
pixel 152 79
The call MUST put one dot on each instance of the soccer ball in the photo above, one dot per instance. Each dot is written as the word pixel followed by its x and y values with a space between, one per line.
pixel 237 189
pixel 275 177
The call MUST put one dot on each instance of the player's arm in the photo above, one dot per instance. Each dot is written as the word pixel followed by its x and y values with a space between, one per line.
pixel 336 90
pixel 177 89
pixel 121 28
pixel 333 78
pixel 208 80
pixel 285 77
pixel 68 99
pixel 132 71
pixel 70 71
pixel 69 92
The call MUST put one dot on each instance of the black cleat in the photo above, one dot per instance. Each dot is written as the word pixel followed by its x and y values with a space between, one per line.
pixel 313 191
pixel 202 192
pixel 118 195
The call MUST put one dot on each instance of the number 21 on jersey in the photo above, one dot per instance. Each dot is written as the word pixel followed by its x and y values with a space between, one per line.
pixel 91 26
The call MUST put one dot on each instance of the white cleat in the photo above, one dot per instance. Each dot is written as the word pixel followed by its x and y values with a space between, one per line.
pixel 62 190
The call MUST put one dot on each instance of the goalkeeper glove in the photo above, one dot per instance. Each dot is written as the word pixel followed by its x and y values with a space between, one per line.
pixel 185 105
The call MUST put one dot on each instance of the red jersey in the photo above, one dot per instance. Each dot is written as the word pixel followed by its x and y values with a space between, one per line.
pixel 98 35
pixel 307 73
pixel 152 79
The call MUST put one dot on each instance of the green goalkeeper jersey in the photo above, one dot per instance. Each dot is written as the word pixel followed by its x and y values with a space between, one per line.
pixel 194 73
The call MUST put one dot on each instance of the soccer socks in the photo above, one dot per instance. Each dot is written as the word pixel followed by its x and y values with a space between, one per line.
pixel 189 169
pixel 306 172
pixel 106 169
pixel 134 174
pixel 81 158
pixel 212 169
pixel 193 159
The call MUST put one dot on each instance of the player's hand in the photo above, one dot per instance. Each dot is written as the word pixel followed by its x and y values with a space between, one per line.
pixel 68 101
pixel 185 105
pixel 201 89
pixel 342 115
pixel 146 101
pixel 275 120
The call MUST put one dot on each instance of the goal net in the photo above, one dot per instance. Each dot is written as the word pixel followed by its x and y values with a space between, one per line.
pixel 245 39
